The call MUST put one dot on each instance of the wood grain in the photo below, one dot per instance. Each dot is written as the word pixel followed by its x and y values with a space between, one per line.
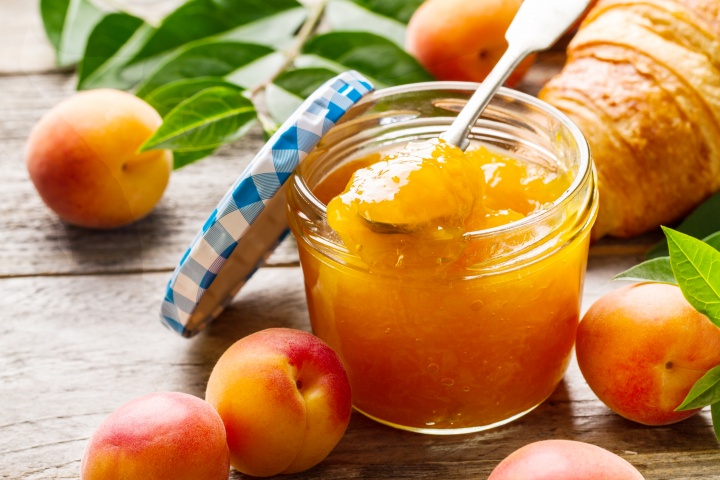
pixel 153 244
pixel 23 45
pixel 35 242
pixel 80 335
pixel 24 48
pixel 76 348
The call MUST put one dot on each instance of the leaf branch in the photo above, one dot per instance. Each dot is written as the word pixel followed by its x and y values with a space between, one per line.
pixel 306 31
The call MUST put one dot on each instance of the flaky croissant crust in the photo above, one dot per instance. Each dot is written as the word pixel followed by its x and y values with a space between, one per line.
pixel 642 81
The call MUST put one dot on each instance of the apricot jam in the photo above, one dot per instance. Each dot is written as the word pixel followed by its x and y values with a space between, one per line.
pixel 449 283
pixel 406 212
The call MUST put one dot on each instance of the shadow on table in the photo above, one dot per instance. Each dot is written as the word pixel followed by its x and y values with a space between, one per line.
pixel 273 298
pixel 372 450
pixel 133 247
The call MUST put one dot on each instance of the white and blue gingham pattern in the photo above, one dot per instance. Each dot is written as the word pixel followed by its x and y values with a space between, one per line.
pixel 247 198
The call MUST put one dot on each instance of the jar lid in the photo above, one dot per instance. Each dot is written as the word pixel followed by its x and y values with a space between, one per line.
pixel 250 220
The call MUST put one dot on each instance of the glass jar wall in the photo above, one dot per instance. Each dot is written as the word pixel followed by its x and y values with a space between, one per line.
pixel 486 341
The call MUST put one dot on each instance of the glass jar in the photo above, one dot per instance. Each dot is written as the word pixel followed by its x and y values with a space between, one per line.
pixel 482 346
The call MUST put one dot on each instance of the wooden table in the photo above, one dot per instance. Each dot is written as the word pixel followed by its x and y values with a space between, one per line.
pixel 80 335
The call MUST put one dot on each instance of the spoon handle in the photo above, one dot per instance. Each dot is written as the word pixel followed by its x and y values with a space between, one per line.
pixel 458 132
pixel 537 25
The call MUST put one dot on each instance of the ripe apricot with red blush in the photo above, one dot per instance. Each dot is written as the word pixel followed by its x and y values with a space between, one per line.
pixel 161 436
pixel 463 40
pixel 284 397
pixel 642 347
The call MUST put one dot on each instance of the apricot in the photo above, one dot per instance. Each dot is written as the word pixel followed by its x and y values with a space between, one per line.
pixel 641 348
pixel 284 397
pixel 161 436
pixel 82 158
pixel 462 40
pixel 426 190
pixel 564 460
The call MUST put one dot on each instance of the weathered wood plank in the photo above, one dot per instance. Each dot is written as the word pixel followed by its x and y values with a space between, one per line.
pixel 76 348
pixel 34 242
pixel 23 45
pixel 76 342
pixel 24 48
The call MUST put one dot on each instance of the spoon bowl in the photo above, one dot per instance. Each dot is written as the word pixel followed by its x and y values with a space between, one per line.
pixel 537 26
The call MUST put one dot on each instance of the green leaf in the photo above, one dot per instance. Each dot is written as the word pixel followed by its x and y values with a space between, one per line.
pixel 277 30
pixel 370 54
pixel 368 16
pixel 68 24
pixel 169 96
pixel 204 59
pixel 53 14
pixel 198 19
pixel 703 221
pixel 655 270
pixel 696 266
pixel 303 81
pixel 659 269
pixel 258 72
pixel 400 10
pixel 181 159
pixel 713 240
pixel 113 42
pixel 706 391
pixel 715 412
pixel 211 118
pixel 291 88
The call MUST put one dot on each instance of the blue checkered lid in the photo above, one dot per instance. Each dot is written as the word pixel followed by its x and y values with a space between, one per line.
pixel 249 222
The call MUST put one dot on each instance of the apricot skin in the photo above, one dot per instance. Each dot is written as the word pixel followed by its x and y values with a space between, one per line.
pixel 161 436
pixel 642 347
pixel 462 40
pixel 82 158
pixel 284 397
pixel 564 460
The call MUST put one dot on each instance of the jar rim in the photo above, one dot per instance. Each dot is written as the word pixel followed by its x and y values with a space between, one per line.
pixel 585 167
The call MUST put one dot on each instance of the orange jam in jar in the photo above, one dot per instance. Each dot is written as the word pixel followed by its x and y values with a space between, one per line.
pixel 449 282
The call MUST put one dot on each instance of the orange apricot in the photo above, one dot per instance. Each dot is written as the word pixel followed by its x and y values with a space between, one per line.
pixel 462 40
pixel 284 397
pixel 161 436
pixel 642 347
pixel 82 158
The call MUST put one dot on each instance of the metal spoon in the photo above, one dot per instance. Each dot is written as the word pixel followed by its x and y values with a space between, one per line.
pixel 537 25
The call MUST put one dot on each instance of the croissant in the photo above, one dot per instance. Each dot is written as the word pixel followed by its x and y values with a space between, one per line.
pixel 642 81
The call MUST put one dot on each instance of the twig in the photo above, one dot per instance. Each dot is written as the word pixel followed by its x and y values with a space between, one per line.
pixel 307 29
pixel 151 12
